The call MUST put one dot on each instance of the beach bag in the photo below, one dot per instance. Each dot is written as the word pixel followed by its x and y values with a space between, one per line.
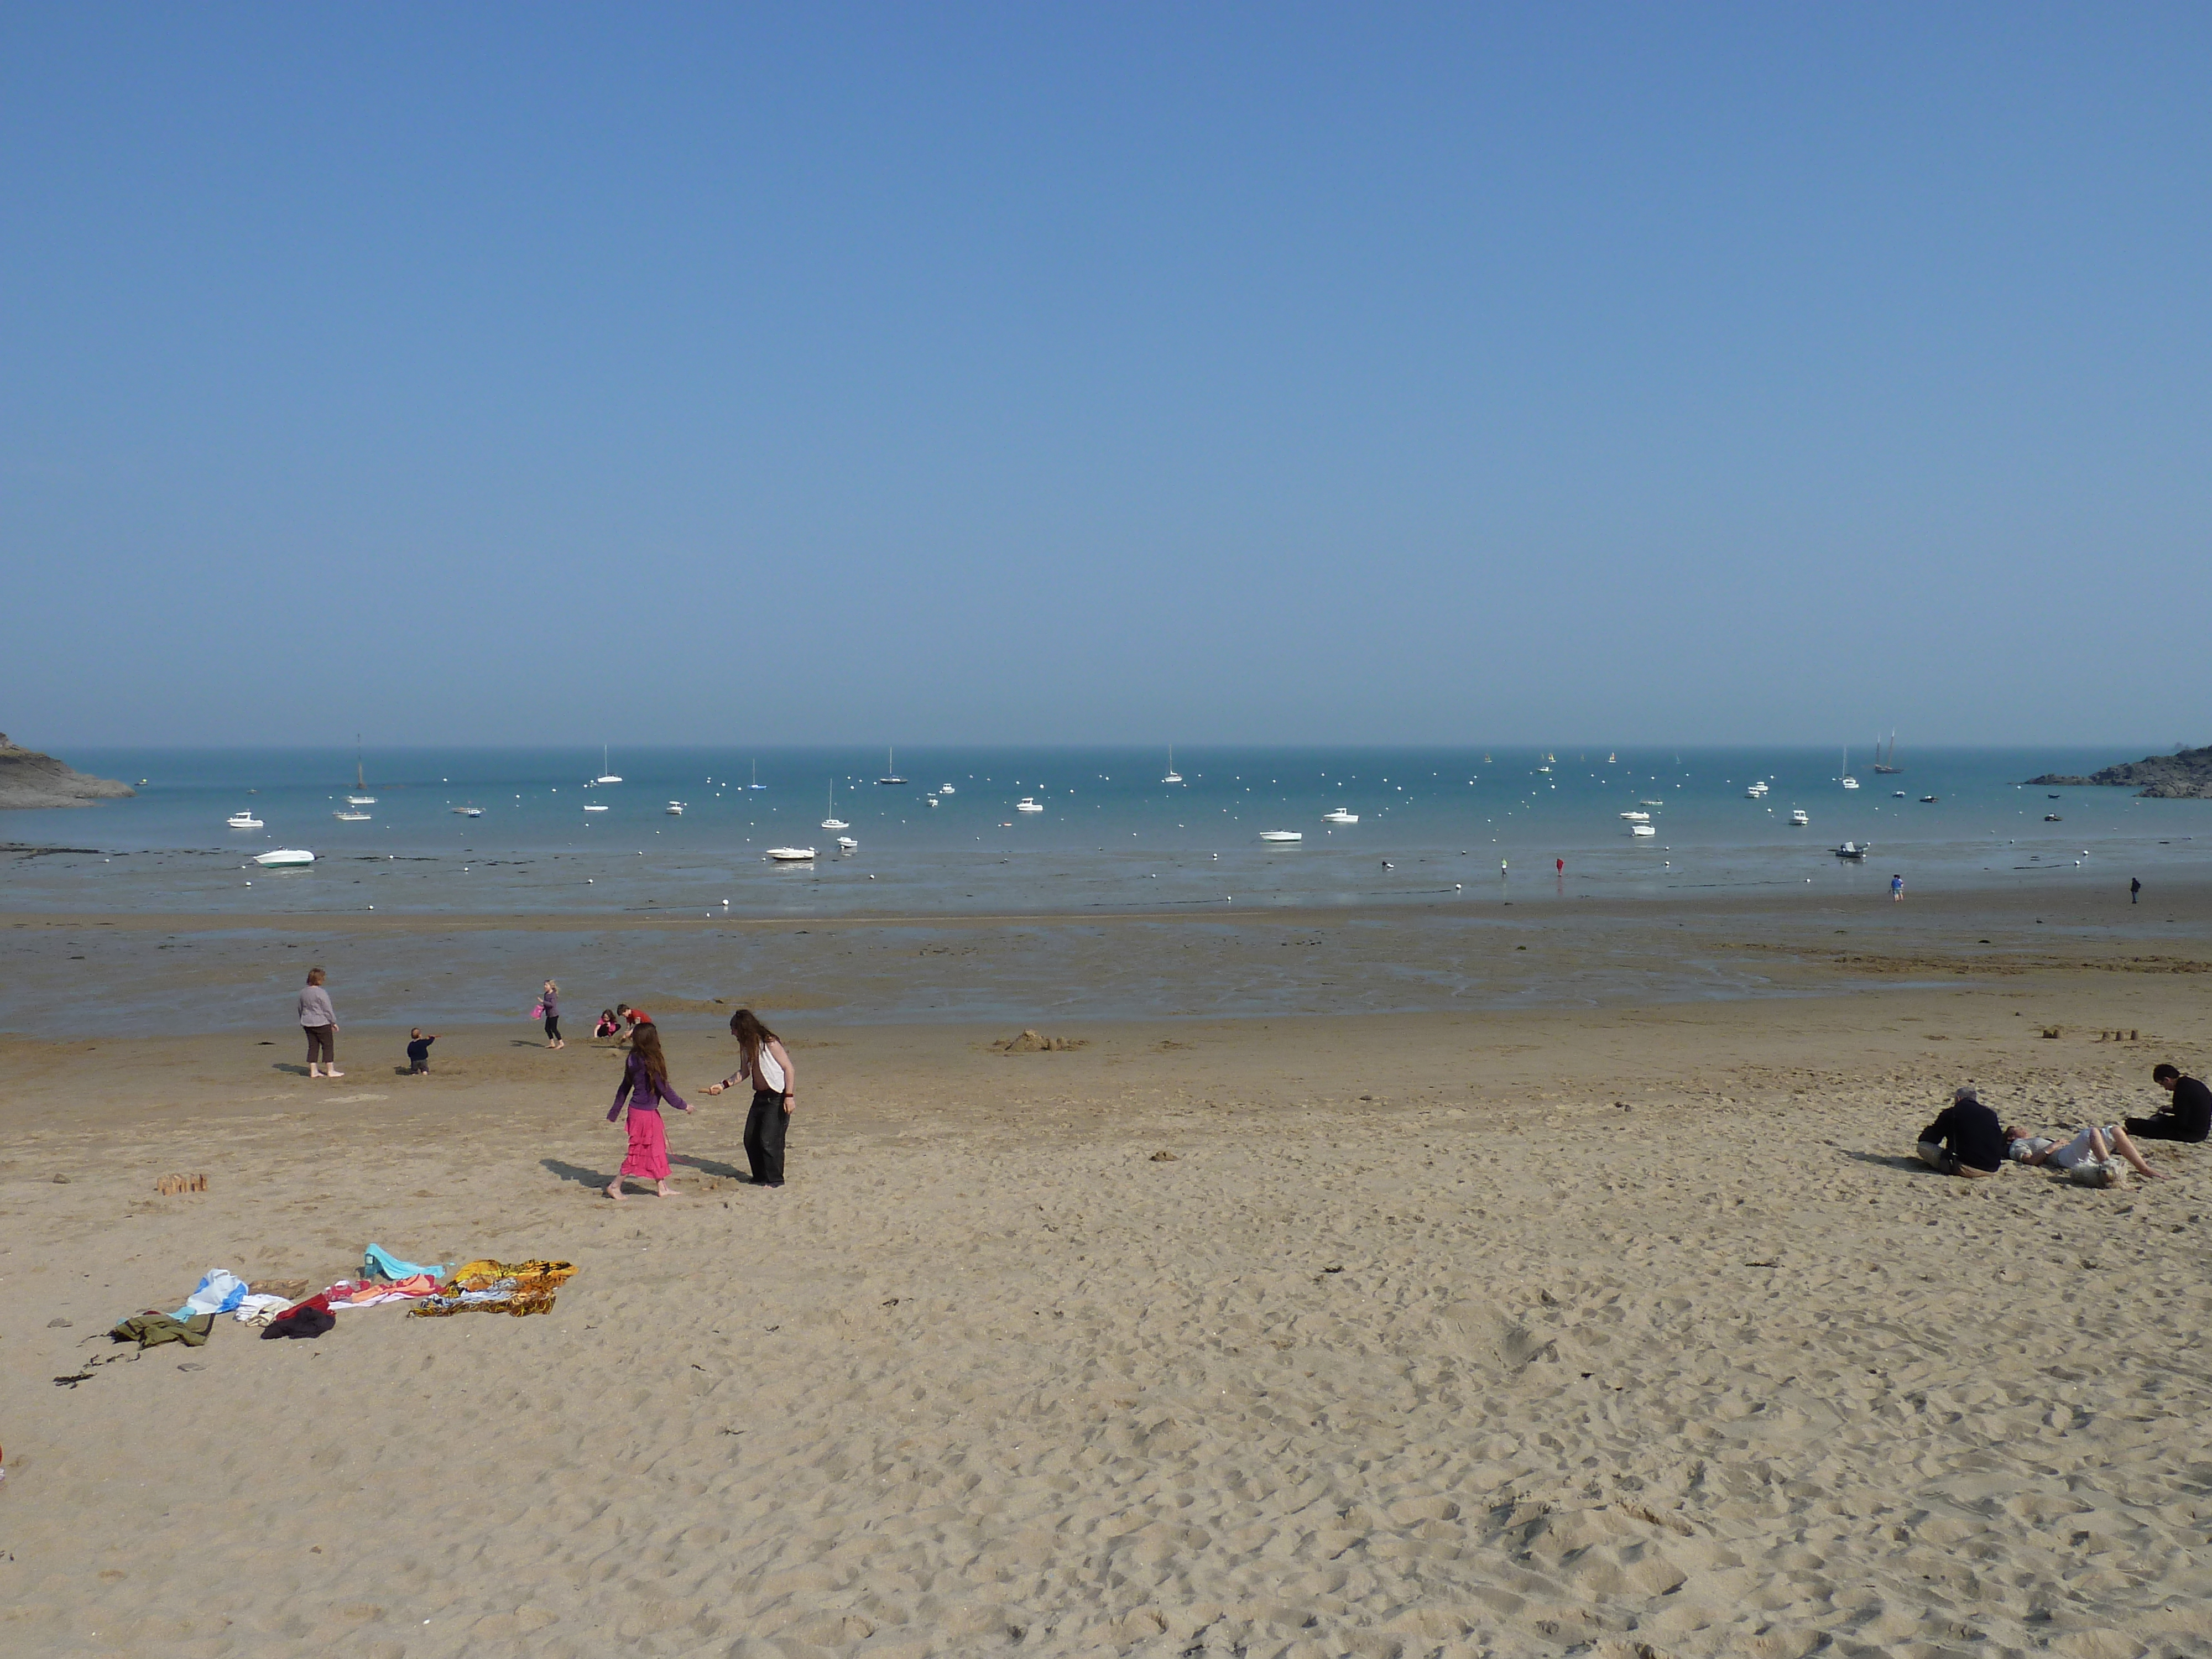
pixel 538 1010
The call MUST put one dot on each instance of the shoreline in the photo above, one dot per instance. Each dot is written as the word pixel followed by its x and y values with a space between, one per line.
pixel 181 973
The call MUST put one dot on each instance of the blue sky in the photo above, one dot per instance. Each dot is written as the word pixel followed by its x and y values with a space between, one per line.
pixel 1036 373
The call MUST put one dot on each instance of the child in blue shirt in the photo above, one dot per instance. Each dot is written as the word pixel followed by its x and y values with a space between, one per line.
pixel 418 1053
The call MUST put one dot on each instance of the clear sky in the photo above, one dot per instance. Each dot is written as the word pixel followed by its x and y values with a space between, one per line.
pixel 1067 372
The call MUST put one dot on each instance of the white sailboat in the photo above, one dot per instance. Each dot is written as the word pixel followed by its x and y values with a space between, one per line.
pixel 833 822
pixel 606 769
pixel 361 797
pixel 1171 776
pixel 1847 780
pixel 756 783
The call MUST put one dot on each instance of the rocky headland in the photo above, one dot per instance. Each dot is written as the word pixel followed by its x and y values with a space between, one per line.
pixel 30 779
pixel 2185 774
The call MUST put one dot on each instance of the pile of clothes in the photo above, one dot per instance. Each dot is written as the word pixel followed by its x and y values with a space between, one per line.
pixel 281 1308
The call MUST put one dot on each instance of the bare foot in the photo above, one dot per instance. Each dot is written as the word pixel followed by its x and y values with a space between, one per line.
pixel 334 1072
pixel 614 1192
pixel 664 1192
pixel 314 1071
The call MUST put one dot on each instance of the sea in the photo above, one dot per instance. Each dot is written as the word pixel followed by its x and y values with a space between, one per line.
pixel 509 831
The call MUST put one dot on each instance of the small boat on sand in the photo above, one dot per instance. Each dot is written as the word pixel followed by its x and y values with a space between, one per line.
pixel 1282 835
pixel 285 857
pixel 791 854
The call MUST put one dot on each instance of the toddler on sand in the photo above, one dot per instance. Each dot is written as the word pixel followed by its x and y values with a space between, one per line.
pixel 418 1052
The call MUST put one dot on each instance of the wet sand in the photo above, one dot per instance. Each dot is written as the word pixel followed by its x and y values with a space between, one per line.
pixel 1620 1330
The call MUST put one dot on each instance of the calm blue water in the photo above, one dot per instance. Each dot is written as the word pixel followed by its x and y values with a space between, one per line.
pixel 1112 837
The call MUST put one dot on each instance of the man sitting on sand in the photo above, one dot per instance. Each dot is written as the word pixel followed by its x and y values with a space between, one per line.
pixel 2088 1158
pixel 1965 1140
pixel 2188 1116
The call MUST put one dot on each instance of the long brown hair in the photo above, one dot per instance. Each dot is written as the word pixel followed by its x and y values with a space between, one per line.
pixel 752 1036
pixel 645 1043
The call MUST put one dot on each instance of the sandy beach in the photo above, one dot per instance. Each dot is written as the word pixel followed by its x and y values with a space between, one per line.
pixel 1623 1330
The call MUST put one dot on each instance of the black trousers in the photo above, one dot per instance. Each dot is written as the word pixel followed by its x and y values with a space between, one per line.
pixel 552 1027
pixel 764 1127
pixel 2165 1127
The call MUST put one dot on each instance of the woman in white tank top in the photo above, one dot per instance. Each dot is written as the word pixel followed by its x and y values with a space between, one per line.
pixel 764 1061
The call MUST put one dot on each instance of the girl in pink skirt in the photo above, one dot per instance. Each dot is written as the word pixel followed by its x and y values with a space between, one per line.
pixel 645 1086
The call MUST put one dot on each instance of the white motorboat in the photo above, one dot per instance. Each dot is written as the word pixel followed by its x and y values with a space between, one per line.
pixel 946 789
pixel 674 808
pixel 285 857
pixel 1799 817
pixel 1025 804
pixel 1850 782
pixel 1854 849
pixel 1171 776
pixel 1636 817
pixel 931 800
pixel 468 812
pixel 1756 792
pixel 1340 816
pixel 1641 829
pixel 1282 835
pixel 1651 803
pixel 1899 794
pixel 791 854
pixel 833 822
pixel 243 821
pixel 847 844
pixel 595 809
pixel 350 817
pixel 890 770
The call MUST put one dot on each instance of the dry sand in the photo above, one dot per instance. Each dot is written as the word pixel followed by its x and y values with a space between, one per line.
pixel 1626 1332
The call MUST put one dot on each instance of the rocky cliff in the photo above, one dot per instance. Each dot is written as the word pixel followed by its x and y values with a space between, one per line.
pixel 30 779
pixel 2186 774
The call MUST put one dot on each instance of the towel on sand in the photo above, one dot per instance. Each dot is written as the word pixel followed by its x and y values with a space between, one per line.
pixel 517 1288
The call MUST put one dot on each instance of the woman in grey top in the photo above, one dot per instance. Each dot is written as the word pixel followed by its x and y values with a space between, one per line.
pixel 320 1021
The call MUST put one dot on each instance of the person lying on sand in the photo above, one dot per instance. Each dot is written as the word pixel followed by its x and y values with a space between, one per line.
pixel 2087 1159
pixel 1965 1140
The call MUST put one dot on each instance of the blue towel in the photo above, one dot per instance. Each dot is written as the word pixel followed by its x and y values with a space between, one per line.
pixel 220 1291
pixel 378 1264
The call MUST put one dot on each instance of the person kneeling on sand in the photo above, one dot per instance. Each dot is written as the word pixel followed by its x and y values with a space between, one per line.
pixel 1965 1140
pixel 2188 1116
pixel 2092 1158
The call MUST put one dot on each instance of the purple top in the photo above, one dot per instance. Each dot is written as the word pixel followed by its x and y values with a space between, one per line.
pixel 641 1091
pixel 552 1001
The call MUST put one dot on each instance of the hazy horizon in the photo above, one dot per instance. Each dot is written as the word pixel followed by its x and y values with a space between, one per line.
pixel 990 375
